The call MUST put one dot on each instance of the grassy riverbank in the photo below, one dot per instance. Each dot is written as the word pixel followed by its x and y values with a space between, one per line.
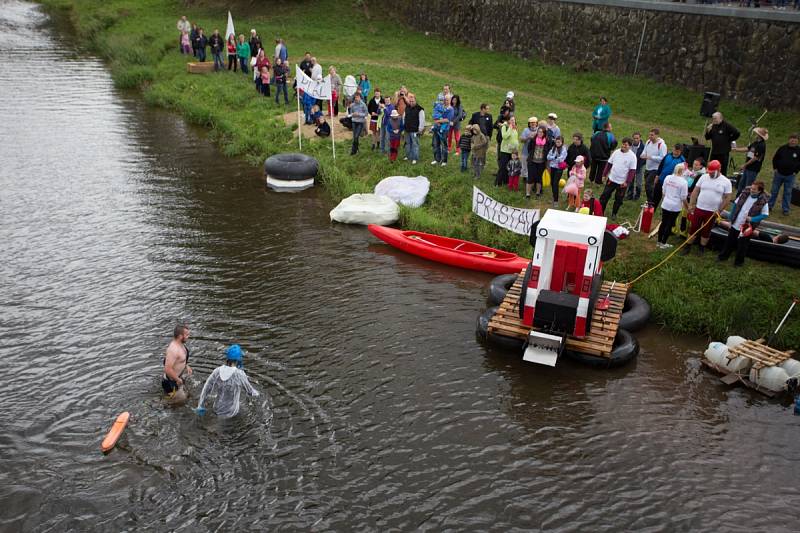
pixel 692 295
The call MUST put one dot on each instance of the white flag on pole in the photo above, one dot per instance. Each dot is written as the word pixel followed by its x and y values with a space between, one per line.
pixel 229 30
pixel 321 89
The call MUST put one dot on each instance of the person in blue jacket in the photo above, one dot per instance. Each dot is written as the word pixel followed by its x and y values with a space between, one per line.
pixel 601 114
pixel 308 103
pixel 365 86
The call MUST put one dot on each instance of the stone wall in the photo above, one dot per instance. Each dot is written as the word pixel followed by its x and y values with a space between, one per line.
pixel 751 56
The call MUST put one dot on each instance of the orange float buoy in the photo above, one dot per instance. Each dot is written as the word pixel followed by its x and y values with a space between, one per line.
pixel 115 432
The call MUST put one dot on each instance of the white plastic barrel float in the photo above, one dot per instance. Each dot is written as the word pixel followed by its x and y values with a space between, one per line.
pixel 792 367
pixel 770 377
pixel 290 172
pixel 719 354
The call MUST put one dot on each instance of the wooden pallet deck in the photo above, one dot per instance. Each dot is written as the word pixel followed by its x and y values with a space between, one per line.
pixel 604 324
pixel 761 354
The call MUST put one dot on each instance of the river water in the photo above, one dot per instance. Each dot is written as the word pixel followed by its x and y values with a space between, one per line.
pixel 380 409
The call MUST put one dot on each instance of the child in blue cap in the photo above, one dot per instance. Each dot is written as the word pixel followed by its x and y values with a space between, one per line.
pixel 227 382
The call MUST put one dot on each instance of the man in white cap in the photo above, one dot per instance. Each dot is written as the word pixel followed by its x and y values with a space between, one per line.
pixel 755 151
pixel 553 130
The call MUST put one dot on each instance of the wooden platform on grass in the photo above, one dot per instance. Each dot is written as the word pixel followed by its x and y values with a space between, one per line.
pixel 200 68
pixel 604 324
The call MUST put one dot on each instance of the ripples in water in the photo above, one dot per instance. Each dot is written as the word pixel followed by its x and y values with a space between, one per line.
pixel 380 410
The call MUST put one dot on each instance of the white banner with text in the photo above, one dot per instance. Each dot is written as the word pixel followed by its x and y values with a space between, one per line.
pixel 319 89
pixel 514 219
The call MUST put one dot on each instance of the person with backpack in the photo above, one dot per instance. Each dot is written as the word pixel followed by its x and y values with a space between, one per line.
pixel 600 148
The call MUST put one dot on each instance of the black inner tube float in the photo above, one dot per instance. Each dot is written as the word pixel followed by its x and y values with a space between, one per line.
pixel 499 287
pixel 635 313
pixel 290 171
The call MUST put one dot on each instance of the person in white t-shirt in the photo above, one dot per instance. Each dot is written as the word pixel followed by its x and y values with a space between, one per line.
pixel 676 191
pixel 750 208
pixel 620 171
pixel 710 195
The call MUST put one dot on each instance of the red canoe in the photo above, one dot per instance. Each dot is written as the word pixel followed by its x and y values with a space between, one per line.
pixel 454 252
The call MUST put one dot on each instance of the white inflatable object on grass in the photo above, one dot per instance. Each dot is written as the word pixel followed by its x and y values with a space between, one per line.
pixel 366 209
pixel 350 86
pixel 411 192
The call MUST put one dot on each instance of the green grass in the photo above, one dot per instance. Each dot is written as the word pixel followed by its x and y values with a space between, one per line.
pixel 690 295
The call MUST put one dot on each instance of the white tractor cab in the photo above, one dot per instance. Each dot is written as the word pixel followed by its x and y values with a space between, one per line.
pixel 562 281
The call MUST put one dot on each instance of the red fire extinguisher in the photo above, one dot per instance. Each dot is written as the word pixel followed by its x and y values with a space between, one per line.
pixel 647 218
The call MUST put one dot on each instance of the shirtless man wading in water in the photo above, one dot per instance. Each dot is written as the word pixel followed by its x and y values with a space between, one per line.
pixel 176 362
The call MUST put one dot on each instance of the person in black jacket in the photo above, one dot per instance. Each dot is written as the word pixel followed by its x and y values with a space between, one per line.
pixel 255 43
pixel 502 118
pixel 306 64
pixel 603 143
pixel 786 163
pixel 484 120
pixel 200 43
pixel 192 37
pixel 217 45
pixel 721 133
pixel 578 148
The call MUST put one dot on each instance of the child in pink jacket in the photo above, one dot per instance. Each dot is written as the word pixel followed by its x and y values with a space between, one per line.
pixel 574 187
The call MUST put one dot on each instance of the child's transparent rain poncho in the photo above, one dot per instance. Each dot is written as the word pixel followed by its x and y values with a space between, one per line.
pixel 226 382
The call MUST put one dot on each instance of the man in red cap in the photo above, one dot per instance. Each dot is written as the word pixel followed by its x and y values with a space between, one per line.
pixel 710 196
